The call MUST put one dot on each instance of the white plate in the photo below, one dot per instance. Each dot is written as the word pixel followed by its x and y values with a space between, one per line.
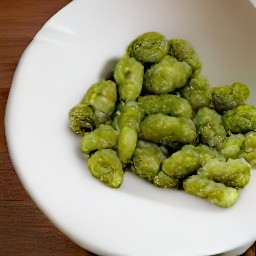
pixel 70 53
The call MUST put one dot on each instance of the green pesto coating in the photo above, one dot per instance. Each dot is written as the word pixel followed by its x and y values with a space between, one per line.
pixel 101 118
pixel 162 180
pixel 157 127
pixel 250 141
pixel 249 152
pixel 152 147
pixel 167 104
pixel 233 173
pixel 128 125
pixel 134 121
pixel 102 96
pixel 147 159
pixel 145 163
pixel 232 146
pixel 241 119
pixel 209 127
pixel 167 75
pixel 229 96
pixel 184 51
pixel 216 193
pixel 128 75
pixel 103 137
pixel 205 152
pixel 149 47
pixel 182 163
pixel 250 157
pixel 197 92
pixel 130 115
pixel 81 118
pixel 126 144
pixel 105 165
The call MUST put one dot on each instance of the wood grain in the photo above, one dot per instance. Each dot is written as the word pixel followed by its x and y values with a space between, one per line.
pixel 24 230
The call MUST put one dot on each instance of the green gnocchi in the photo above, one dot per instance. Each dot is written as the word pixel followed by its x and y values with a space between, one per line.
pixel 159 118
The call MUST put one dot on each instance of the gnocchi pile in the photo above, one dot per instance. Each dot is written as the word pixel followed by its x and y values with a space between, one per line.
pixel 159 117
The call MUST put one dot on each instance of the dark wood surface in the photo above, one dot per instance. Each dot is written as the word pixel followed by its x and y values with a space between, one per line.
pixel 24 230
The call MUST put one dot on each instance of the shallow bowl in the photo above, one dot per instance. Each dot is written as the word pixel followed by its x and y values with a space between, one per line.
pixel 75 49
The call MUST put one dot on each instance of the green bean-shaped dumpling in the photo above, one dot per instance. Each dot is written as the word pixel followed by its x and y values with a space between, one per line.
pixel 182 163
pixel 205 152
pixel 167 104
pixel 184 51
pixel 216 193
pixel 233 173
pixel 249 152
pixel 101 118
pixel 232 146
pixel 130 115
pixel 128 124
pixel 209 127
pixel 250 157
pixel 102 96
pixel 145 163
pixel 167 75
pixel 147 159
pixel 126 143
pixel 241 119
pixel 250 141
pixel 103 137
pixel 152 147
pixel 197 92
pixel 157 127
pixel 162 180
pixel 107 167
pixel 149 47
pixel 128 75
pixel 229 96
pixel 81 118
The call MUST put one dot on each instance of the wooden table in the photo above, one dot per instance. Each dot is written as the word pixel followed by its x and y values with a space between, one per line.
pixel 24 230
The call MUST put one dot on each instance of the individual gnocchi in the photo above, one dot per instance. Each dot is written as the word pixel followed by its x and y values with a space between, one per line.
pixel 159 117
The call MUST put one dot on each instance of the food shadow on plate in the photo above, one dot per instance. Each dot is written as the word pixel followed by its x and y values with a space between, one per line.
pixel 136 186
pixel 108 69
